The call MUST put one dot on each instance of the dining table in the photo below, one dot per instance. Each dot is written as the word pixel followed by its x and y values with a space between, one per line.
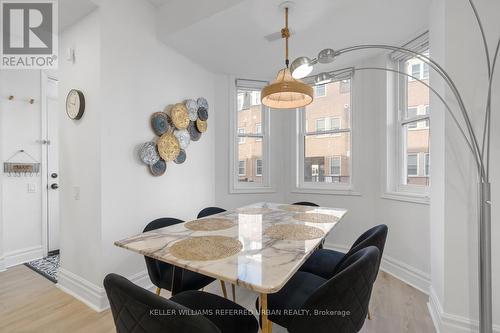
pixel 258 246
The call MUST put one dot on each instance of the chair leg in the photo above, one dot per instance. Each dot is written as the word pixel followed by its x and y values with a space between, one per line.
pixel 158 291
pixel 369 315
pixel 233 289
pixel 223 287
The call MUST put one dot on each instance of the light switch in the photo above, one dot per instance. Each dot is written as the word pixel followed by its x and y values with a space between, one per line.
pixel 31 188
pixel 76 192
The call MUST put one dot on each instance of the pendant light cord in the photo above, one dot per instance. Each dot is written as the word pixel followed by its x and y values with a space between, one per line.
pixel 285 33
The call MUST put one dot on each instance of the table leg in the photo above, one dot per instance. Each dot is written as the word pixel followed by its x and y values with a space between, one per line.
pixel 267 325
pixel 177 273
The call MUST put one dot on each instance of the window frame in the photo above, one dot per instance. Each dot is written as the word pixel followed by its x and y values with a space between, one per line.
pixel 324 187
pixel 400 120
pixel 235 186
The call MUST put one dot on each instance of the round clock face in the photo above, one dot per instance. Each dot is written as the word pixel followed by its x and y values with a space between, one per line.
pixel 75 104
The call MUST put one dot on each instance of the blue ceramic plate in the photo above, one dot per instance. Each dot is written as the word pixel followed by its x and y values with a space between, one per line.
pixel 160 123
pixel 194 134
pixel 158 168
pixel 181 158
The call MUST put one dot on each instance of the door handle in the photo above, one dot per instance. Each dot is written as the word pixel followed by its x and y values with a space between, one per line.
pixel 54 186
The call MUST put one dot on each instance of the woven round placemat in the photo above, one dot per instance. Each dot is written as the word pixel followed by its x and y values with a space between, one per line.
pixel 316 218
pixel 296 208
pixel 205 248
pixel 168 147
pixel 209 224
pixel 180 116
pixel 253 210
pixel 293 232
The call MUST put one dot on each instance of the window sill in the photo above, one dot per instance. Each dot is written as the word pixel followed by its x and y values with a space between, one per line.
pixel 345 192
pixel 250 190
pixel 422 199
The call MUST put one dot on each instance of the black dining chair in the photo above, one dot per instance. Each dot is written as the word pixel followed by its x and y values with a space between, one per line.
pixel 310 303
pixel 210 211
pixel 161 273
pixel 136 310
pixel 325 262
pixel 306 203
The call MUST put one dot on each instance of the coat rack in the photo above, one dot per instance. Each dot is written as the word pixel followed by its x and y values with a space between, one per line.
pixel 20 169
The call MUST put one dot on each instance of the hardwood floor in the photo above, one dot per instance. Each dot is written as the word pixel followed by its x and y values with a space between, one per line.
pixel 30 303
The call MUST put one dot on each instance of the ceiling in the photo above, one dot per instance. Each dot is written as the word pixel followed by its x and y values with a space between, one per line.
pixel 71 11
pixel 227 36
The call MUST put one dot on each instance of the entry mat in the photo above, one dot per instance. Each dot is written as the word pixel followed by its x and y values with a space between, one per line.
pixel 46 267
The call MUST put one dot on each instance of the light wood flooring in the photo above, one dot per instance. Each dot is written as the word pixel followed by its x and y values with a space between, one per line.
pixel 30 303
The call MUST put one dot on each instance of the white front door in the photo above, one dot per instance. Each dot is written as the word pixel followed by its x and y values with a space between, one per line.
pixel 52 166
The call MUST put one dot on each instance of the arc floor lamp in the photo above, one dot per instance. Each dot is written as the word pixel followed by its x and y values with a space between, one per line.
pixel 302 66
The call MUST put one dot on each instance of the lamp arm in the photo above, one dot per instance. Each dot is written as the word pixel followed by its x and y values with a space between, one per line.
pixel 483 35
pixel 477 151
pixel 448 108
pixel 487 125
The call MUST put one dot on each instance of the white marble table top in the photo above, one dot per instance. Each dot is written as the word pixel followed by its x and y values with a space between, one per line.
pixel 263 265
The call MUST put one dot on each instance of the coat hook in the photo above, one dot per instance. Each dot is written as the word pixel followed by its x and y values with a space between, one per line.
pixel 11 97
pixel 31 101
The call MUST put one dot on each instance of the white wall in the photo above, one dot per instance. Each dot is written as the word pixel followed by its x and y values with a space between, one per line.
pixel 20 129
pixel 126 75
pixel 458 47
pixel 407 251
pixel 140 75
pixel 80 154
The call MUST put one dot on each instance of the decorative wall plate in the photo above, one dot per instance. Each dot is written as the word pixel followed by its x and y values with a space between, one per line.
pixel 202 103
pixel 201 125
pixel 192 107
pixel 148 153
pixel 183 137
pixel 181 158
pixel 202 113
pixel 180 116
pixel 158 168
pixel 160 123
pixel 194 134
pixel 168 147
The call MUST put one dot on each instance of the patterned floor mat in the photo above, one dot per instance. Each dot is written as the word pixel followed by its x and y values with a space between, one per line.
pixel 48 267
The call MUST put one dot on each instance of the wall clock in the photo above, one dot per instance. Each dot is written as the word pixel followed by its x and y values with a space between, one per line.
pixel 75 104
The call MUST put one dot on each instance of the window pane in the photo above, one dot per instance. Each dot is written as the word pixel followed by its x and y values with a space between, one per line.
pixel 327 159
pixel 416 134
pixel 417 148
pixel 250 152
pixel 319 90
pixel 327 156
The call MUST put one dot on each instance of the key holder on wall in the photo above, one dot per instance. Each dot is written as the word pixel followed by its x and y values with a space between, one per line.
pixel 20 169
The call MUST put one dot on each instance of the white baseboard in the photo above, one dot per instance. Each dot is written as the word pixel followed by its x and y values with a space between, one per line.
pixel 21 256
pixel 400 270
pixel 2 264
pixel 90 294
pixel 449 323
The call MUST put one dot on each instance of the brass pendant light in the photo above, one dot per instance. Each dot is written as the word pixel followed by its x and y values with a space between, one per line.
pixel 286 92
